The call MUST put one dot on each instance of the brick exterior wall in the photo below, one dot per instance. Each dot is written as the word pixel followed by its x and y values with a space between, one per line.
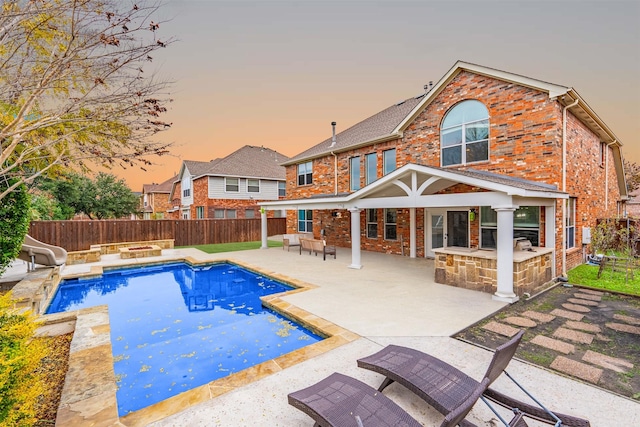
pixel 525 141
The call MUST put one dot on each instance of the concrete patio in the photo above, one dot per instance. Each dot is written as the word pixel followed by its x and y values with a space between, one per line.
pixel 392 299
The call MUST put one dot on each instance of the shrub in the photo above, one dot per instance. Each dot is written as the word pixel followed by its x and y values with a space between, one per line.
pixel 20 355
pixel 608 238
pixel 14 223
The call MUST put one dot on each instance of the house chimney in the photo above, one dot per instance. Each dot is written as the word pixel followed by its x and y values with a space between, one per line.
pixel 333 137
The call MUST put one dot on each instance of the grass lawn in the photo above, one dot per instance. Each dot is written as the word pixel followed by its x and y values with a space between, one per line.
pixel 587 275
pixel 232 247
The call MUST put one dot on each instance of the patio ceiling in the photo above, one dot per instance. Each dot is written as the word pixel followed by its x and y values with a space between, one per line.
pixel 416 186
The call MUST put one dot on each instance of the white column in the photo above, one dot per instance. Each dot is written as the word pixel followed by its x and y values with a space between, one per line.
pixel 263 227
pixel 412 232
pixel 550 234
pixel 355 238
pixel 505 255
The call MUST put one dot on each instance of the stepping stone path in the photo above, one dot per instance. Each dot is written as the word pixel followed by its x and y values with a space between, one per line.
pixel 521 321
pixel 584 302
pixel 540 317
pixel 577 369
pixel 571 315
pixel 587 327
pixel 571 335
pixel 550 343
pixel 628 319
pixel 576 307
pixel 502 329
pixel 574 330
pixel 613 363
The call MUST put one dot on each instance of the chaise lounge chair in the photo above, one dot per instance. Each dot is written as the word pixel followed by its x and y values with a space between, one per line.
pixel 444 387
pixel 37 252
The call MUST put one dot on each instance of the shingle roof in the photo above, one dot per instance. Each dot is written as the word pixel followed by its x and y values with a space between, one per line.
pixel 375 127
pixel 503 179
pixel 163 187
pixel 248 161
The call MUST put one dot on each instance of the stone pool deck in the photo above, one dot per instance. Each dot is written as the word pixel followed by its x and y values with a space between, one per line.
pixel 392 299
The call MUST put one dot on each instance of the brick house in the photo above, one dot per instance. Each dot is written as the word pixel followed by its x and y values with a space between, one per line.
pixel 154 200
pixel 229 187
pixel 458 173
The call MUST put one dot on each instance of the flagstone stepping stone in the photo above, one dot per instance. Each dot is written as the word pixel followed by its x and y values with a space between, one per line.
pixel 584 302
pixel 627 319
pixel 607 362
pixel 581 326
pixel 501 328
pixel 592 292
pixel 556 345
pixel 571 315
pixel 621 327
pixel 520 321
pixel 540 317
pixel 576 307
pixel 577 369
pixel 588 296
pixel 571 335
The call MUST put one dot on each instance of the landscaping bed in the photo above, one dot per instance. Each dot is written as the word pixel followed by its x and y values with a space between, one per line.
pixel 620 345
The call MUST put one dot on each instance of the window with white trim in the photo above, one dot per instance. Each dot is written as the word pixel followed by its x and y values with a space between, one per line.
pixel 230 214
pixel 218 213
pixel 370 167
pixel 305 173
pixel 282 189
pixel 570 224
pixel 390 224
pixel 305 221
pixel 388 161
pixel 372 223
pixel 232 185
pixel 354 173
pixel 186 192
pixel 199 212
pixel 464 135
pixel 249 213
pixel 253 185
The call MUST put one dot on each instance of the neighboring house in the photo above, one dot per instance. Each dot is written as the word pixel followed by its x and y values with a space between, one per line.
pixel 229 187
pixel 459 172
pixel 633 205
pixel 155 201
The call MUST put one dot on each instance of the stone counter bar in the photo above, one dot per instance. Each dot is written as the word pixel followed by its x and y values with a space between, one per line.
pixel 477 269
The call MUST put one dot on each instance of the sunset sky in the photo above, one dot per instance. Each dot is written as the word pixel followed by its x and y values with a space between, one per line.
pixel 277 73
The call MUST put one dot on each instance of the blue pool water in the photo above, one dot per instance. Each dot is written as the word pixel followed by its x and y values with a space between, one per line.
pixel 175 327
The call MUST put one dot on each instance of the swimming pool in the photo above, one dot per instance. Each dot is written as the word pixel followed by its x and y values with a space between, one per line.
pixel 175 327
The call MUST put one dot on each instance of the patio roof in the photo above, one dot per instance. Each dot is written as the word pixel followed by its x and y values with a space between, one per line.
pixel 415 185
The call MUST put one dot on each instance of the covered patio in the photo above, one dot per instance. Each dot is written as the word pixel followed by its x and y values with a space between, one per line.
pixel 433 189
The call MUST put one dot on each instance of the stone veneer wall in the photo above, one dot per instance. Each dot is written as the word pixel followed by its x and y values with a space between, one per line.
pixel 480 274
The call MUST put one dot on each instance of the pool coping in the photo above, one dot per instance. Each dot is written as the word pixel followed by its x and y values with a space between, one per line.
pixel 89 393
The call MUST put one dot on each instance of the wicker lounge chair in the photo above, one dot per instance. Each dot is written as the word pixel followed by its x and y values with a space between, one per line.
pixel 444 386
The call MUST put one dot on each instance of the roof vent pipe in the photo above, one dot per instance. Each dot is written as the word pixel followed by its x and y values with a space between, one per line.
pixel 333 137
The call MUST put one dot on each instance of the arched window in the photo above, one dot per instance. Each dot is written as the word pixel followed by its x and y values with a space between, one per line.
pixel 464 134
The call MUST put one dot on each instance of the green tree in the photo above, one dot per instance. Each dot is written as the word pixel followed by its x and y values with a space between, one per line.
pixel 76 87
pixel 14 222
pixel 45 207
pixel 632 175
pixel 103 198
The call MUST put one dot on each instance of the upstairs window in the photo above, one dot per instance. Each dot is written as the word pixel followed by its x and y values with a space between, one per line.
pixel 253 185
pixel 464 135
pixel 282 188
pixel 232 185
pixel 305 173
pixel 371 167
pixel 186 192
pixel 388 161
pixel 354 173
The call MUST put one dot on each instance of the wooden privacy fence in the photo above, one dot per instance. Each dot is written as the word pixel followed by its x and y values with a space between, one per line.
pixel 79 235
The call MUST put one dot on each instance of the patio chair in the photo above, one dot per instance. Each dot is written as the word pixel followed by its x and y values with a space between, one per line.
pixel 444 387
pixel 37 252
